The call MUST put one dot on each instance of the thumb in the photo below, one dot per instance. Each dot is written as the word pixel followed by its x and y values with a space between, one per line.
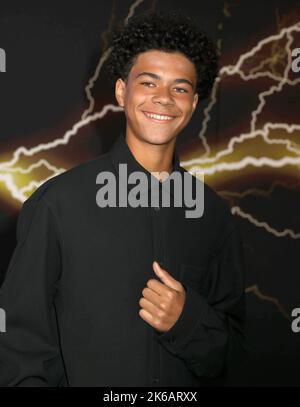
pixel 164 275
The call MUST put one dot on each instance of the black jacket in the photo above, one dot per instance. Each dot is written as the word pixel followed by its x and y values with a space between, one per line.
pixel 72 289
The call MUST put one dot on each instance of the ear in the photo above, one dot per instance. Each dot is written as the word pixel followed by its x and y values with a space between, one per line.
pixel 195 101
pixel 120 89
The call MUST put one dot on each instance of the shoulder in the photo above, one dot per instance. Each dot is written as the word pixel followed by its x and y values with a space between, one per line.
pixel 54 194
pixel 66 184
pixel 217 214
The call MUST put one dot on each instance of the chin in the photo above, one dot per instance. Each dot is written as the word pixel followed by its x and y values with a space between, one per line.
pixel 158 141
pixel 158 138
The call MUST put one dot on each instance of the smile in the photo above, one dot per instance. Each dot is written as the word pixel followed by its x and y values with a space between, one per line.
pixel 159 118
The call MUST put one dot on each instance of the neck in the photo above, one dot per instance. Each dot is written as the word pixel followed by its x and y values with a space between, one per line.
pixel 152 157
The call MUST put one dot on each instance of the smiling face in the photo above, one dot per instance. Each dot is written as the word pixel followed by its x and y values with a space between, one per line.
pixel 161 83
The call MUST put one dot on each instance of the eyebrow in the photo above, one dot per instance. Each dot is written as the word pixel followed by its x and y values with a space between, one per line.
pixel 155 76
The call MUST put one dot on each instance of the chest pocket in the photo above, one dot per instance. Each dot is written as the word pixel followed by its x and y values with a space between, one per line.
pixel 193 276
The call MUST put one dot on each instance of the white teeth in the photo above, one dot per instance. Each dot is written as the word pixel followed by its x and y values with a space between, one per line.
pixel 158 117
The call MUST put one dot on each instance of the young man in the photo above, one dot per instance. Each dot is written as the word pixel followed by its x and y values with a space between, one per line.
pixel 128 295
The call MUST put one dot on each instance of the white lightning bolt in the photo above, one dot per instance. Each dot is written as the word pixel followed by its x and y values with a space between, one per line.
pixel 286 232
pixel 60 141
pixel 254 289
pixel 6 167
pixel 247 136
pixel 236 70
pixel 277 88
pixel 104 57
pixel 85 120
pixel 257 191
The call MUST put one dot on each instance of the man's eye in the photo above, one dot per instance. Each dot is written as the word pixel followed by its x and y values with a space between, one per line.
pixel 184 90
pixel 147 83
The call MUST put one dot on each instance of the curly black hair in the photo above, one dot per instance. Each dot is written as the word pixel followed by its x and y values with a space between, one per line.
pixel 165 32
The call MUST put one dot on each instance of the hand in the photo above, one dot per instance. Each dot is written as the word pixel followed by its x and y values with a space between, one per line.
pixel 162 303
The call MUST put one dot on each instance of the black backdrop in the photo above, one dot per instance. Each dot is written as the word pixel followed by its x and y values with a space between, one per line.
pixel 53 99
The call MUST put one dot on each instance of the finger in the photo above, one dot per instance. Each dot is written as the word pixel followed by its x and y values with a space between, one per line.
pixel 148 306
pixel 165 277
pixel 146 316
pixel 152 296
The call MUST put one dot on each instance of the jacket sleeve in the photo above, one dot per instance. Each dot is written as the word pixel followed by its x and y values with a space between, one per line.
pixel 29 348
pixel 209 334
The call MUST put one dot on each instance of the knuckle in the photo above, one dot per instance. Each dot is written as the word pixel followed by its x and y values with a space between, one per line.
pixel 160 315
pixel 150 282
pixel 171 295
pixel 158 324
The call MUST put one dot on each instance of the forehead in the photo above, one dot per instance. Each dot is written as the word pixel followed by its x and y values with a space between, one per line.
pixel 167 63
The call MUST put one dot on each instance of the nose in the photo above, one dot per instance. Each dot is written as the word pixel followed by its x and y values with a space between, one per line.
pixel 163 96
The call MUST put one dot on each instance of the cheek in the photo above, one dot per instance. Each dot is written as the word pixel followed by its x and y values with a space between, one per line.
pixel 134 100
pixel 133 108
pixel 186 107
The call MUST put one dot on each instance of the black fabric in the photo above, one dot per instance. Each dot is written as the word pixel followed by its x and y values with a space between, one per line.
pixel 71 292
